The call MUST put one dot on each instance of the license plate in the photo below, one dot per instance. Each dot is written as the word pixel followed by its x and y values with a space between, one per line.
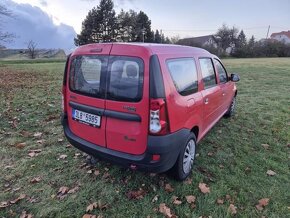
pixel 86 118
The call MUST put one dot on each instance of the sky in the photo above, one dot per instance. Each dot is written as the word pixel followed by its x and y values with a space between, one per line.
pixel 54 23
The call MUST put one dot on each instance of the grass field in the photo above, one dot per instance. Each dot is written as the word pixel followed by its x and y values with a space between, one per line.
pixel 233 160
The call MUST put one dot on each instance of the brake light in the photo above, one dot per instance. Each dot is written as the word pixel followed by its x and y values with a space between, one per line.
pixel 158 118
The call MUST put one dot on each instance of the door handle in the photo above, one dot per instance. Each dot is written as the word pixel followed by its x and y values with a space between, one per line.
pixel 206 101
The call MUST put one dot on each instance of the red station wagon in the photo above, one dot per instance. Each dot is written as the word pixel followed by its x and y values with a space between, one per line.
pixel 144 106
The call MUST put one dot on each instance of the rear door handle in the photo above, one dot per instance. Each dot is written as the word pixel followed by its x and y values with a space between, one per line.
pixel 206 101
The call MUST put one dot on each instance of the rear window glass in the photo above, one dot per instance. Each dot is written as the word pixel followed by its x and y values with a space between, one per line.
pixel 125 79
pixel 85 74
pixel 184 75
pixel 121 77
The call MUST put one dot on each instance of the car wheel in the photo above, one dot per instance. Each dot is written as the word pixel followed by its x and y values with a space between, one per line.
pixel 232 109
pixel 183 166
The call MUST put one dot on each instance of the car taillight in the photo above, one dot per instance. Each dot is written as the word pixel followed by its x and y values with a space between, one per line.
pixel 63 100
pixel 158 118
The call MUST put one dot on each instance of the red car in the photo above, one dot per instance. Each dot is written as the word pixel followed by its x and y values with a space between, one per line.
pixel 144 106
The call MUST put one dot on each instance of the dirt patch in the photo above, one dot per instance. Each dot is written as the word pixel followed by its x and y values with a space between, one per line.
pixel 11 79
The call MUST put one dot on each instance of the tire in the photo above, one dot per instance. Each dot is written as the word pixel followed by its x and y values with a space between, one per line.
pixel 183 166
pixel 232 109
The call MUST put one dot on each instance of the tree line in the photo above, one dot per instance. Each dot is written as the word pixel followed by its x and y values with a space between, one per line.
pixel 102 24
pixel 242 47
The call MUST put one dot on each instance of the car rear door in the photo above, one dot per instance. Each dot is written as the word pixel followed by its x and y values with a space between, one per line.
pixel 127 100
pixel 86 93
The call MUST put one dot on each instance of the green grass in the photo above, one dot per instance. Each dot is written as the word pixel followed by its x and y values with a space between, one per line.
pixel 30 103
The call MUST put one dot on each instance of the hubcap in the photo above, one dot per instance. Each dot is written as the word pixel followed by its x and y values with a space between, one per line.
pixel 188 156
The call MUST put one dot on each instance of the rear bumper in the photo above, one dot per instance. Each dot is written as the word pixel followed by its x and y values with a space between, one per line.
pixel 168 147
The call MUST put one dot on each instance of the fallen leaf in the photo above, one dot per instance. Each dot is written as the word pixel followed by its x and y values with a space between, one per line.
pixel 4 204
pixel 220 201
pixel 89 216
pixel 168 188
pixel 89 172
pixel 73 190
pixel 22 196
pixel 60 140
pixel 63 156
pixel 40 141
pixel 97 172
pixel 266 146
pixel 24 214
pixel 62 190
pixel 37 134
pixel 190 199
pixel 91 207
pixel 35 179
pixel 232 209
pixel 262 203
pixel 34 153
pixel 20 145
pixel 176 200
pixel 204 188
pixel 155 199
pixel 165 210
pixel 68 146
pixel 136 194
pixel 271 173
pixel 210 154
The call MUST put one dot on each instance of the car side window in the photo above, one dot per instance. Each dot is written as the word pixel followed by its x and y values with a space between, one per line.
pixel 221 71
pixel 208 72
pixel 184 75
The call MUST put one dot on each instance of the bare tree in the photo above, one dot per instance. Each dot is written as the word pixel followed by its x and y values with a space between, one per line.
pixel 31 49
pixel 4 36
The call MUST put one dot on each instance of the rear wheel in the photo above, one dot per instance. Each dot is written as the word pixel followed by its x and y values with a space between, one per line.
pixel 232 109
pixel 183 166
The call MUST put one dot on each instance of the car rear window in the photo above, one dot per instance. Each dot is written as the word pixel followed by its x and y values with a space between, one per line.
pixel 121 77
pixel 85 74
pixel 125 81
pixel 184 75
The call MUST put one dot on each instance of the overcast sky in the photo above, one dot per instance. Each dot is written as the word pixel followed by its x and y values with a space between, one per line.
pixel 53 19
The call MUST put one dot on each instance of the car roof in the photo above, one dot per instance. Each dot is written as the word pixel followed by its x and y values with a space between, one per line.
pixel 153 48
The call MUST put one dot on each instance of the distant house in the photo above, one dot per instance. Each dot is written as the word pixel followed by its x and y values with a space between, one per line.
pixel 283 36
pixel 201 41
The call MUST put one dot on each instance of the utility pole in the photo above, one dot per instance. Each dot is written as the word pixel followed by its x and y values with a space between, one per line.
pixel 268 32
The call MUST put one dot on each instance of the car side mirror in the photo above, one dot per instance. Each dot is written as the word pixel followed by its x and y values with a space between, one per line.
pixel 235 77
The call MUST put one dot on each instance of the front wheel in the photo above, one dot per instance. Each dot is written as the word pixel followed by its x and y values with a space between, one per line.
pixel 232 109
pixel 184 163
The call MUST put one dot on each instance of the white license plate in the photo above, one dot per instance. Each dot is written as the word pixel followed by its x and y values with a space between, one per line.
pixel 90 119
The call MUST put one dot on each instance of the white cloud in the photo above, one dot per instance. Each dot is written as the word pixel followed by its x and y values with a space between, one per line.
pixel 32 23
